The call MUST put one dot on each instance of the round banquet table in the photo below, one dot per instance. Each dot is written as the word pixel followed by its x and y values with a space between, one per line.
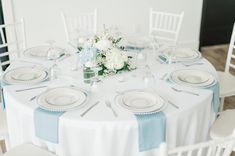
pixel 99 132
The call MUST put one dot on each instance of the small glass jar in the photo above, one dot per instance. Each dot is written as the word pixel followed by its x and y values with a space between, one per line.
pixel 88 74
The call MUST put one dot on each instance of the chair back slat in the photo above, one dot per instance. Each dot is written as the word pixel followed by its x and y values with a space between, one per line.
pixel 211 148
pixel 81 25
pixel 199 153
pixel 13 40
pixel 218 151
pixel 165 27
pixel 232 66
pixel 189 153
pixel 230 55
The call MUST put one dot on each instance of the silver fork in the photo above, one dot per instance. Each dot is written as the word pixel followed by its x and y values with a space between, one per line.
pixel 108 104
pixel 184 91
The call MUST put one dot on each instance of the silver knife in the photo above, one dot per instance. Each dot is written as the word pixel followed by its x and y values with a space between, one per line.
pixel 92 106
pixel 20 90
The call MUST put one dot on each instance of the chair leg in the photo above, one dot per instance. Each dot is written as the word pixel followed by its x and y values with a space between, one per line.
pixel 1 152
pixel 221 104
pixel 7 144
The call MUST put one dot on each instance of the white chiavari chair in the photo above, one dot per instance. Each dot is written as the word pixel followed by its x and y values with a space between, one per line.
pixel 13 42
pixel 79 26
pixel 3 129
pixel 224 125
pixel 164 28
pixel 28 150
pixel 226 79
pixel 210 148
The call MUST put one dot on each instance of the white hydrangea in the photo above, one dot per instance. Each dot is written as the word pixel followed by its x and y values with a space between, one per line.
pixel 115 59
pixel 103 44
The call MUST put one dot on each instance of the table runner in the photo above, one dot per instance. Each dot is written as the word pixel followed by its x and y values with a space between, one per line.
pixel 47 124
pixel 152 130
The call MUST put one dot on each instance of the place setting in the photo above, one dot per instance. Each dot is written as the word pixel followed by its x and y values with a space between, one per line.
pixel 186 56
pixel 46 52
pixel 26 75
pixel 140 101
pixel 193 78
pixel 62 98
pixel 148 108
pixel 197 79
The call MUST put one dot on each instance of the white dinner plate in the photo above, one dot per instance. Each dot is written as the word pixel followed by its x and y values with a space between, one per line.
pixel 40 52
pixel 25 75
pixel 140 101
pixel 183 55
pixel 193 78
pixel 62 99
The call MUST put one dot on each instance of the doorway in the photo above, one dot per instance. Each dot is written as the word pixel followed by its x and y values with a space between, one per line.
pixel 218 17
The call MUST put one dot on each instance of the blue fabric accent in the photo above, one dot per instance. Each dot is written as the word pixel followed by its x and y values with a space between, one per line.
pixel 215 100
pixel 2 95
pixel 152 130
pixel 3 100
pixel 87 54
pixel 162 58
pixel 47 124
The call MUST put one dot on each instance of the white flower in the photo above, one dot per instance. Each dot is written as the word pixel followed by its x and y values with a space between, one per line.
pixel 81 40
pixel 103 45
pixel 90 64
pixel 115 59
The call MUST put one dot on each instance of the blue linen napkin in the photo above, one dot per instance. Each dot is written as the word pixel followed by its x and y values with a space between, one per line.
pixel 152 130
pixel 3 100
pixel 87 54
pixel 162 58
pixel 2 95
pixel 47 124
pixel 215 100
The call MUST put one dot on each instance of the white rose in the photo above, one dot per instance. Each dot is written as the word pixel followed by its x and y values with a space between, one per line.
pixel 103 45
pixel 115 59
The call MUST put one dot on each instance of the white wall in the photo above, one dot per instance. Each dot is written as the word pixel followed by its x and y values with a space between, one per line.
pixel 43 20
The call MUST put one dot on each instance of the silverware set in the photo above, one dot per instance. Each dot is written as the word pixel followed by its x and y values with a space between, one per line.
pixel 184 91
pixel 108 104
pixel 172 104
pixel 32 88
pixel 87 110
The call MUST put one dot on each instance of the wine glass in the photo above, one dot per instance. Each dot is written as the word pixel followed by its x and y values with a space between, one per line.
pixel 141 59
pixel 171 55
pixel 53 55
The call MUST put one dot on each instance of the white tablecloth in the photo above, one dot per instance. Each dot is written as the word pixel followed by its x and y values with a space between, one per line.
pixel 99 132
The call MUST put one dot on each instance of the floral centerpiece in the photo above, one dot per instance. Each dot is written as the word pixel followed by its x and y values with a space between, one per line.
pixel 110 55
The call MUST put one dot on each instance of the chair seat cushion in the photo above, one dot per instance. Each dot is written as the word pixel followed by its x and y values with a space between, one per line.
pixel 27 150
pixel 227 84
pixel 224 125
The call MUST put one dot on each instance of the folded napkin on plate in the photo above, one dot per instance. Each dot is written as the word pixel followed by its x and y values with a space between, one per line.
pixel 162 58
pixel 47 124
pixel 152 130
pixel 215 100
